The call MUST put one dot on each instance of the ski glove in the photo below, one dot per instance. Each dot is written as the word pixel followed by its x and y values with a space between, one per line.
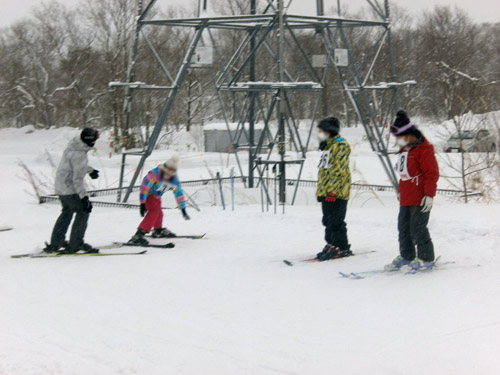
pixel 426 204
pixel 331 197
pixel 94 174
pixel 185 214
pixel 86 205
pixel 143 209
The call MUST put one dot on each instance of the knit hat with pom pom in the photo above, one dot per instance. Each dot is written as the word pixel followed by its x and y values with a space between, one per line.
pixel 173 163
pixel 402 125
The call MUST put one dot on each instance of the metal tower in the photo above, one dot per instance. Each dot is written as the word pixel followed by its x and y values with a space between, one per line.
pixel 269 98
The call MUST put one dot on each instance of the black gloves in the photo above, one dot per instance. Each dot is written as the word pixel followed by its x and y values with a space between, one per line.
pixel 94 174
pixel 322 145
pixel 143 209
pixel 185 215
pixel 86 205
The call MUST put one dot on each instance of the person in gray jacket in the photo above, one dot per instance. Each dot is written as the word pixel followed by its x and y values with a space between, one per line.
pixel 70 188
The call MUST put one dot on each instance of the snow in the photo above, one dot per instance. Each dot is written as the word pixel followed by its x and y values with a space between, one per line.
pixel 227 304
pixel 232 126
pixel 136 84
pixel 457 72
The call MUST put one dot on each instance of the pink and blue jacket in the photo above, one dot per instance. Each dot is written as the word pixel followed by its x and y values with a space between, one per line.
pixel 154 184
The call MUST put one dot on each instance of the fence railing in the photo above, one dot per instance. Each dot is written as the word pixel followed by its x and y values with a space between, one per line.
pixel 195 183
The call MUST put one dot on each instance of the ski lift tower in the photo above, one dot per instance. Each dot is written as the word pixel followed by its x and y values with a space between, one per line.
pixel 271 36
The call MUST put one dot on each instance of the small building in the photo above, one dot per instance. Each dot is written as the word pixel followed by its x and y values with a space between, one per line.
pixel 217 138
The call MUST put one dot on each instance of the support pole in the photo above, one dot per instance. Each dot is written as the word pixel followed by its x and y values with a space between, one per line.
pixel 251 108
pixel 131 78
pixel 391 56
pixel 122 173
pixel 280 107
pixel 320 8
pixel 221 191
pixel 232 189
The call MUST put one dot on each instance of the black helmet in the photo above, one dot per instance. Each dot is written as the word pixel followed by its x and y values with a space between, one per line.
pixel 330 125
pixel 89 136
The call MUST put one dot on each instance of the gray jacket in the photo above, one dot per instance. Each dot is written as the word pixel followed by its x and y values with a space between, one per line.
pixel 73 168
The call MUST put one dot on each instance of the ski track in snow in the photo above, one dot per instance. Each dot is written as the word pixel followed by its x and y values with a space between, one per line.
pixel 227 304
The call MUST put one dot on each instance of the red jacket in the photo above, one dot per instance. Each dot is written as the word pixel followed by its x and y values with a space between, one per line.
pixel 419 173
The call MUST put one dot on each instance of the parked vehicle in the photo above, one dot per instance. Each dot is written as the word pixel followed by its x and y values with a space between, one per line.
pixel 471 141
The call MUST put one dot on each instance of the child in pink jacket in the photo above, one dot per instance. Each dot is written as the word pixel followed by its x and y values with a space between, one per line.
pixel 157 181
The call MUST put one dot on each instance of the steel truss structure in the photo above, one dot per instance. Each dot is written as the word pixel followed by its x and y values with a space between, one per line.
pixel 274 33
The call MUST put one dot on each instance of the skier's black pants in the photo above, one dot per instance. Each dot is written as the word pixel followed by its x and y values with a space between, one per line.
pixel 71 204
pixel 334 222
pixel 412 227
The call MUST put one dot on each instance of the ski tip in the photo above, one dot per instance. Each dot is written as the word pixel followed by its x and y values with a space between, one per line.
pixel 288 263
pixel 193 237
pixel 311 260
pixel 352 275
pixel 169 245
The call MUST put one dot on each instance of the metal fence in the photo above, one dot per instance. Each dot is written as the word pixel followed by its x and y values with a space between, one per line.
pixel 196 183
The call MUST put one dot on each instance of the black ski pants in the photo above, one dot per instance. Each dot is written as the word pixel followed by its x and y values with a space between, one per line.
pixel 413 232
pixel 334 221
pixel 71 204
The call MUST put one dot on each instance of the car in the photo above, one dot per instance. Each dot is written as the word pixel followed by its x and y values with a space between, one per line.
pixel 479 140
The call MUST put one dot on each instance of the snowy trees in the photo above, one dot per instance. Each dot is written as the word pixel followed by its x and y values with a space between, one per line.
pixel 56 64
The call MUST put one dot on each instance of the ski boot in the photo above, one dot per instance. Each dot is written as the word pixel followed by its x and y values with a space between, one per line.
pixel 332 252
pixel 89 249
pixel 138 238
pixel 50 248
pixel 53 249
pixel 322 254
pixel 84 247
pixel 162 233
pixel 397 263
pixel 419 264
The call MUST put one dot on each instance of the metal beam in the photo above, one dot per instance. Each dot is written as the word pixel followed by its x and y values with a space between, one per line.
pixel 165 109
pixel 251 109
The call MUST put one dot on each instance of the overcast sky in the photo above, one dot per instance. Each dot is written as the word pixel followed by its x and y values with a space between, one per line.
pixel 480 10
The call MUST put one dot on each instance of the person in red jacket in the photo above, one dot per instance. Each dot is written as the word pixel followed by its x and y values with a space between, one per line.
pixel 418 170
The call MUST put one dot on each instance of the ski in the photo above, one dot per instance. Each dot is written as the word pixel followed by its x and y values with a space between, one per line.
pixel 186 236
pixel 5 229
pixel 192 236
pixel 437 264
pixel 114 245
pixel 316 260
pixel 43 254
pixel 154 246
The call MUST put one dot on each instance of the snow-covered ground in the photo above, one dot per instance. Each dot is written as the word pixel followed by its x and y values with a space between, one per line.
pixel 227 304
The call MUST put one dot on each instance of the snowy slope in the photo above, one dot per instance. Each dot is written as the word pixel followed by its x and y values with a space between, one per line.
pixel 227 304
